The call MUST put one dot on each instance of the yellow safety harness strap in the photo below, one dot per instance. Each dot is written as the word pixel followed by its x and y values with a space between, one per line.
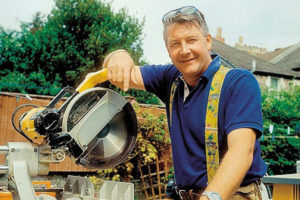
pixel 211 123
pixel 172 93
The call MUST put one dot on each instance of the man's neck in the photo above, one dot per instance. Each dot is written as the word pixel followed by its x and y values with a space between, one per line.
pixel 191 83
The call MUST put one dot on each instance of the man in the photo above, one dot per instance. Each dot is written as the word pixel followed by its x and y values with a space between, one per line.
pixel 239 116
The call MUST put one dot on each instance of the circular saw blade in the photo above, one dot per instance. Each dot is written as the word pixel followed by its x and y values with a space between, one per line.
pixel 107 138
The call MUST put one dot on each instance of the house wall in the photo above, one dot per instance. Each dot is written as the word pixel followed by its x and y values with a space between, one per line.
pixel 262 81
pixel 283 83
pixel 296 82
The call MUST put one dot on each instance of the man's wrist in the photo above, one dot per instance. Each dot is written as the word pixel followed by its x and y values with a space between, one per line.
pixel 212 195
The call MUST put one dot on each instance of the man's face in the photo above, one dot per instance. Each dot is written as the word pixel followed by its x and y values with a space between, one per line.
pixel 189 50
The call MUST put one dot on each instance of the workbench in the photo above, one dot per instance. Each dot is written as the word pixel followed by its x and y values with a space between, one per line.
pixel 285 187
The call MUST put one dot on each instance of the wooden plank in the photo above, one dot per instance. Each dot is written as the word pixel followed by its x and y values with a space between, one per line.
pixel 17 101
pixel 158 177
pixel 153 174
pixel 155 170
pixel 4 124
pixel 151 182
pixel 143 181
pixel 2 127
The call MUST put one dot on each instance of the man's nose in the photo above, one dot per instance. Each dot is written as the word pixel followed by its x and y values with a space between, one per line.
pixel 184 48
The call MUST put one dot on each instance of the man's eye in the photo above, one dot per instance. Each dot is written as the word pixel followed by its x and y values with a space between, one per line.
pixel 174 44
pixel 192 40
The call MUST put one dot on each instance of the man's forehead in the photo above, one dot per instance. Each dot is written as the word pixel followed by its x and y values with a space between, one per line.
pixel 187 35
pixel 183 30
pixel 185 26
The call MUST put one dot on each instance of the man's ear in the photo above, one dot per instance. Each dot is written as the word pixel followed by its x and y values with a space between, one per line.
pixel 166 45
pixel 209 42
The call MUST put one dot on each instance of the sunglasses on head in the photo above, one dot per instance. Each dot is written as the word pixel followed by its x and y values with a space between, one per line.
pixel 186 10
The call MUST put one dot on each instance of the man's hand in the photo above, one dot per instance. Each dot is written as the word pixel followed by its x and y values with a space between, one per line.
pixel 121 70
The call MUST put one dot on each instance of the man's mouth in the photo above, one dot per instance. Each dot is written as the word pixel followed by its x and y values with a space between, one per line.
pixel 187 60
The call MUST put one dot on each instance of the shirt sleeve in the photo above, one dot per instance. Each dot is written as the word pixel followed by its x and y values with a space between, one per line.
pixel 157 79
pixel 243 104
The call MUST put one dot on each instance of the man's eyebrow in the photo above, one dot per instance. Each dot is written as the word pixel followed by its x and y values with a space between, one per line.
pixel 193 35
pixel 189 36
pixel 173 39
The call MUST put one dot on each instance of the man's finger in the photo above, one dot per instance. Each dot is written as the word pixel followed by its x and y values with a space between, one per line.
pixel 119 72
pixel 133 75
pixel 109 74
pixel 126 79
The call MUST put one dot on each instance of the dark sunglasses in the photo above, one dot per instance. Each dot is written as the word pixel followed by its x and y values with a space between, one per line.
pixel 186 10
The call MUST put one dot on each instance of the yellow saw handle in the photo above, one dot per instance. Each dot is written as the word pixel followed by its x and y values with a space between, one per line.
pixel 92 79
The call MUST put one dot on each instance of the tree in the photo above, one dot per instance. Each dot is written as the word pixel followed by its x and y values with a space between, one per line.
pixel 281 109
pixel 58 50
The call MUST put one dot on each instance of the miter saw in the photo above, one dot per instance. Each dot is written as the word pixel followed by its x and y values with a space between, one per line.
pixel 95 126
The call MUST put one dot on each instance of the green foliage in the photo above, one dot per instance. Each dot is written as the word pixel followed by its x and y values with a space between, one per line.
pixel 35 82
pixel 171 174
pixel 62 47
pixel 282 108
pixel 155 130
pixel 280 155
pixel 280 150
pixel 97 182
pixel 142 96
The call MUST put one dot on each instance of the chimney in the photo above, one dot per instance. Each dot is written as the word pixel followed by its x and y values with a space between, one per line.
pixel 219 35
pixel 241 40
pixel 253 65
pixel 219 32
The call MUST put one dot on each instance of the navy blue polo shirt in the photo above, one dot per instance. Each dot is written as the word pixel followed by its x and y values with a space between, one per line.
pixel 239 107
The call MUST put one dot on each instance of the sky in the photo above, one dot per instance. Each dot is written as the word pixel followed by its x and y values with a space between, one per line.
pixel 265 23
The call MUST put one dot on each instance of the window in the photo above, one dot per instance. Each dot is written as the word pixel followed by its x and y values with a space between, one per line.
pixel 274 83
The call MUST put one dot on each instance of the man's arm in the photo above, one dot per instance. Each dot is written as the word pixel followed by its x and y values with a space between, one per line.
pixel 122 72
pixel 235 163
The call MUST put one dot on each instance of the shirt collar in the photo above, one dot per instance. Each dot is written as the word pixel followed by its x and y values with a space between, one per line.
pixel 212 67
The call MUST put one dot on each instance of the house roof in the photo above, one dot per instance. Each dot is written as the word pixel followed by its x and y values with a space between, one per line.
pixel 236 58
pixel 291 58
pixel 270 55
pixel 288 57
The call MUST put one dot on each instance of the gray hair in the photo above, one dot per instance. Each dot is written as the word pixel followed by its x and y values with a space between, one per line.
pixel 189 19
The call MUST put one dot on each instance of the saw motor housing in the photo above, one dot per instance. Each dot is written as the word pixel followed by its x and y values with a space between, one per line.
pixel 39 123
